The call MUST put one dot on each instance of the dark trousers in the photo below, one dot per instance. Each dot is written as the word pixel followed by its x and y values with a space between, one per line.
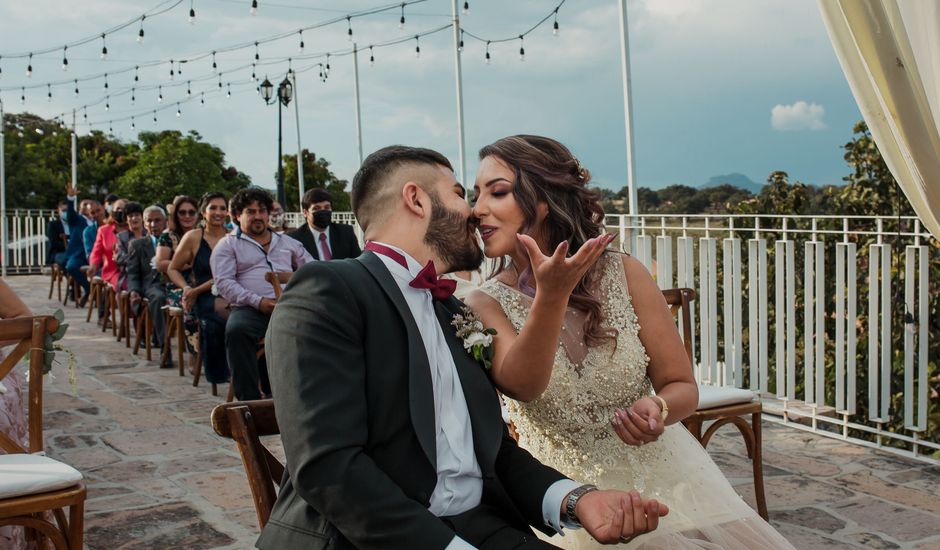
pixel 73 267
pixel 484 528
pixel 157 298
pixel 245 327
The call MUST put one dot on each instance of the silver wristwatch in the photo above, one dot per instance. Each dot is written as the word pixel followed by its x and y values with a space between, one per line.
pixel 572 501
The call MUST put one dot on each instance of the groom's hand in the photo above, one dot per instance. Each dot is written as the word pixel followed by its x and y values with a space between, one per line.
pixel 612 517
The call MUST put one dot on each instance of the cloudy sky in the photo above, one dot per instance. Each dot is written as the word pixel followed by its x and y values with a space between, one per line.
pixel 719 86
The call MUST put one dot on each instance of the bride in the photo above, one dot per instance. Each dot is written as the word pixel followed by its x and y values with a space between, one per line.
pixel 590 355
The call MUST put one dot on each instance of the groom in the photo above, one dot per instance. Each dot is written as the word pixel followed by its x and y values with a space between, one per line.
pixel 392 432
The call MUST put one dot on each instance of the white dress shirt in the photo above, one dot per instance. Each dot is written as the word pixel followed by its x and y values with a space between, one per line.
pixel 316 238
pixel 459 480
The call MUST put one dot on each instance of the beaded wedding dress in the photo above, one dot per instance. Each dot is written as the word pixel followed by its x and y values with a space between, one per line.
pixel 568 428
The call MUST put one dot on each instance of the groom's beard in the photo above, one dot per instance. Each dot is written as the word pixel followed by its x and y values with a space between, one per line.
pixel 450 235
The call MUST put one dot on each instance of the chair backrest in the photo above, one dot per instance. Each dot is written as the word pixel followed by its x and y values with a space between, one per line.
pixel 679 302
pixel 276 279
pixel 246 422
pixel 30 333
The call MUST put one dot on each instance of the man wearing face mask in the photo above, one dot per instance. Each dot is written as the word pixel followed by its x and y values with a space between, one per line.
pixel 323 239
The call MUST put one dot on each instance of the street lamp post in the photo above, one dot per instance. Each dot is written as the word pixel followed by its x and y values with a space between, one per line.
pixel 285 92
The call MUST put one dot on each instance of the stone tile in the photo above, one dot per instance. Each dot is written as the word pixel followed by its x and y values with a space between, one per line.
pixel 58 401
pixel 62 442
pixel 866 482
pixel 209 462
pixel 118 502
pixel 59 420
pixel 898 522
pixel 931 545
pixel 810 518
pixel 890 463
pixel 870 540
pixel 227 490
pixel 84 459
pixel 800 463
pixel 147 417
pixel 162 441
pixel 738 466
pixel 175 525
pixel 793 491
pixel 161 488
pixel 805 539
pixel 924 478
pixel 126 471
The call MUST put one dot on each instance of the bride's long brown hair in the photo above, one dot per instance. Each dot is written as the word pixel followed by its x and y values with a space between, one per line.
pixel 547 172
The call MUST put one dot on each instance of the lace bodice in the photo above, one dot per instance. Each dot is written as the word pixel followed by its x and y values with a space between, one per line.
pixel 568 426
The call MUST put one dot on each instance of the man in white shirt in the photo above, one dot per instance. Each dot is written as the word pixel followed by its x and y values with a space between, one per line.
pixel 392 432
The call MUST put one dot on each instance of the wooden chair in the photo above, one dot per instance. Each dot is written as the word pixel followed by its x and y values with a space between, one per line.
pixel 721 405
pixel 95 292
pixel 51 486
pixel 276 279
pixel 110 298
pixel 144 328
pixel 55 278
pixel 246 422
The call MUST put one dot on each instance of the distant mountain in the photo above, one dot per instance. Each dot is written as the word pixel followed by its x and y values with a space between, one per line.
pixel 735 179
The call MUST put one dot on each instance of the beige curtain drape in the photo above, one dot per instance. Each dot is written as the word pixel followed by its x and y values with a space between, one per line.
pixel 890 53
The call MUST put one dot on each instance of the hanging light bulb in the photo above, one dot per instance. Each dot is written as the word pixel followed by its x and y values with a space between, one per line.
pixel 220 81
pixel 327 64
pixel 76 87
pixel 214 66
pixel 160 94
pixel 179 68
pixel 140 33
pixel 487 57
pixel 189 90
pixel 192 17
pixel 466 8
pixel 253 75
pixel 23 95
pixel 48 92
pixel 257 56
pixel 136 74
pixel 65 58
pixel 555 29
pixel 104 48
pixel 29 67
pixel 254 7
pixel 154 118
pixel 371 56
pixel 401 22
pixel 172 72
pixel 110 129
pixel 107 103
pixel 301 33
pixel 228 92
pixel 417 47
pixel 105 81
pixel 521 48
pixel 133 98
pixel 202 98
pixel 348 28
pixel 460 44
pixel 133 124
pixel 179 113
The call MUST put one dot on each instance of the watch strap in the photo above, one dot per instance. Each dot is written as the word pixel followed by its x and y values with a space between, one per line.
pixel 572 501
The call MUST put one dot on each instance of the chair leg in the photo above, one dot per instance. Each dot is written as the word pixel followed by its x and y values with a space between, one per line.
pixel 148 331
pixel 166 352
pixel 53 276
pixel 180 344
pixel 92 300
pixel 75 292
pixel 231 392
pixel 77 524
pixel 757 461
pixel 59 285
pixel 197 366
pixel 115 307
pixel 68 288
pixel 138 329
pixel 105 294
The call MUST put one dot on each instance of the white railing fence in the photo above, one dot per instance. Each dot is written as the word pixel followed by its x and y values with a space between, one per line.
pixel 782 310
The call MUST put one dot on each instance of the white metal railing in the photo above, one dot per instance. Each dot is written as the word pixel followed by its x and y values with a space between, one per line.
pixel 764 261
pixel 26 246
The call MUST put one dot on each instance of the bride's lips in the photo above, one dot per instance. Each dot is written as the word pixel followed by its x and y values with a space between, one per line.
pixel 487 231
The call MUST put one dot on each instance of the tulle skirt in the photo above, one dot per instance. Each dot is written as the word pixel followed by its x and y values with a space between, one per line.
pixel 705 511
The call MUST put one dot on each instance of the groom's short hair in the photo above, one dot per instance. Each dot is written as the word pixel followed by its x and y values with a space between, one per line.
pixel 376 183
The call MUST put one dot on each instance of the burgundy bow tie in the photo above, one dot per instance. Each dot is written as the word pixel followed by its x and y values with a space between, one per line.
pixel 441 289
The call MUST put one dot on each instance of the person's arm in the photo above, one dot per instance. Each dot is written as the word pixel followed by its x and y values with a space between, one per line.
pixel 162 256
pixel 183 259
pixel 317 369
pixel 523 361
pixel 669 369
pixel 225 272
pixel 299 255
pixel 11 307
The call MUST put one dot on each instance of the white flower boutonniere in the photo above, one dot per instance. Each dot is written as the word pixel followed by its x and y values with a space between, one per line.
pixel 477 340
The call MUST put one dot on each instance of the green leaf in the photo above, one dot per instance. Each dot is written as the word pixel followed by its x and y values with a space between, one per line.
pixel 490 331
pixel 59 315
pixel 60 332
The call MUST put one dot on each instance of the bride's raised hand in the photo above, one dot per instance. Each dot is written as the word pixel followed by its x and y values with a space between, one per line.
pixel 557 274
pixel 640 423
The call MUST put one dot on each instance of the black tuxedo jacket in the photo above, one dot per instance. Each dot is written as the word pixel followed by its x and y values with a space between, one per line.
pixel 54 245
pixel 343 241
pixel 353 398
pixel 140 276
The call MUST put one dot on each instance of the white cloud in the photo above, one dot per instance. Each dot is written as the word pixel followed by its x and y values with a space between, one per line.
pixel 798 116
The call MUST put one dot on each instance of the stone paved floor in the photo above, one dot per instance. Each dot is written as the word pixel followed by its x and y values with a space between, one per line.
pixel 158 477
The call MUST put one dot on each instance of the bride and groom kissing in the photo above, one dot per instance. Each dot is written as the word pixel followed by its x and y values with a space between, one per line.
pixel 392 430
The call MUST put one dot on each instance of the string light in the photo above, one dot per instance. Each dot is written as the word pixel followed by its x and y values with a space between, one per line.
pixel 192 20
pixel 136 74
pixel 23 95
pixel 214 66
pixel 179 113
pixel 154 118
pixel 301 32
pixel 555 29
pixel 65 58
pixel 104 47
pixel 29 67
pixel 466 8
pixel 105 81
pixel 220 81
pixel 257 56
pixel 253 74
pixel 133 99
pixel 76 87
pixel 202 98
pixel 133 124
pixel 49 92
pixel 179 67
pixel 401 22
pixel 140 33
pixel 107 103
pixel 172 72
pixel 110 129
pixel 371 57
pixel 327 64
pixel 460 44
pixel 228 93
pixel 521 48
pixel 349 28
pixel 160 94
pixel 417 47
pixel 254 7
pixel 487 57
pixel 189 90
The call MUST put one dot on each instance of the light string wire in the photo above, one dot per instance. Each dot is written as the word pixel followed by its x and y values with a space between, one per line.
pixel 551 14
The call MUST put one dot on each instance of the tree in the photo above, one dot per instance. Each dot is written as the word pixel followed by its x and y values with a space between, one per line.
pixel 317 174
pixel 871 187
pixel 170 164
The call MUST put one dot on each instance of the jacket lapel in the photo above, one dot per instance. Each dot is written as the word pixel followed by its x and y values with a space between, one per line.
pixel 485 414
pixel 421 394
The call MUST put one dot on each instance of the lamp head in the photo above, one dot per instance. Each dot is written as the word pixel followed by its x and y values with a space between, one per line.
pixel 267 90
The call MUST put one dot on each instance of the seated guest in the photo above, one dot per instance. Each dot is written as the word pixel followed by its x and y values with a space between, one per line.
pixel 134 213
pixel 239 264
pixel 75 254
pixel 277 220
pixel 323 239
pixel 102 252
pixel 143 279
pixel 57 233
pixel 189 269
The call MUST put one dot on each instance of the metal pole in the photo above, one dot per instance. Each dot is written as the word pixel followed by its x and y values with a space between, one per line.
pixel 459 82
pixel 358 111
pixel 280 165
pixel 627 107
pixel 74 153
pixel 3 198
pixel 300 151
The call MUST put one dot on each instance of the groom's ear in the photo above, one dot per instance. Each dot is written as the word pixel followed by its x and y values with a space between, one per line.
pixel 415 199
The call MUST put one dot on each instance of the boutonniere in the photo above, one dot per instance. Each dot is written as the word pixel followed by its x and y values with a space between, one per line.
pixel 477 340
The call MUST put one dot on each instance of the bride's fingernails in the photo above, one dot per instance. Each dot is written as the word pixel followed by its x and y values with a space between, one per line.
pixel 653 423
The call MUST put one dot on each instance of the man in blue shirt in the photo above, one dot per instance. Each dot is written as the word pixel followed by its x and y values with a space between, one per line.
pixel 88 213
